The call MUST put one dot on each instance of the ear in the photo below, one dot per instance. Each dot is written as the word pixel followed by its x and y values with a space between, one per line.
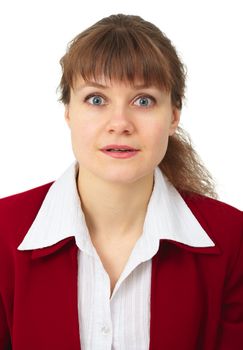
pixel 66 115
pixel 175 119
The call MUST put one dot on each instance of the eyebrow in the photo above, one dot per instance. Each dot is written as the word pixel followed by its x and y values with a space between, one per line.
pixel 100 86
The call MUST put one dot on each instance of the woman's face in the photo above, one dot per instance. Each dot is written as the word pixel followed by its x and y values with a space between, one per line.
pixel 101 114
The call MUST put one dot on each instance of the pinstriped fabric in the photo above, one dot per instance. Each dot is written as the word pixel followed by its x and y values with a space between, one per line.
pixel 119 322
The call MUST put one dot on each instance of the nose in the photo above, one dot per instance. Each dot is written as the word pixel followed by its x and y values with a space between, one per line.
pixel 120 121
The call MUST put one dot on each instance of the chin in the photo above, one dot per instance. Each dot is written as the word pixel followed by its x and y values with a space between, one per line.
pixel 123 176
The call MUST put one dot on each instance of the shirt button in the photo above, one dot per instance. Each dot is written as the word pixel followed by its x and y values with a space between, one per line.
pixel 105 330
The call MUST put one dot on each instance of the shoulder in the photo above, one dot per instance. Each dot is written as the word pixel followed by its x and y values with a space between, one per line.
pixel 213 209
pixel 18 211
pixel 222 222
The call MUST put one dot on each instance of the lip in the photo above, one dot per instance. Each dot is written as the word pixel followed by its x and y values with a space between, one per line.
pixel 106 148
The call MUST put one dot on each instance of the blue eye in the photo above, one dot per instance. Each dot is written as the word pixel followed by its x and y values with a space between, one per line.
pixel 145 101
pixel 95 100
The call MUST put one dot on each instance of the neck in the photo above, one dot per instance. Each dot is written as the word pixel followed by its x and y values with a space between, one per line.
pixel 113 210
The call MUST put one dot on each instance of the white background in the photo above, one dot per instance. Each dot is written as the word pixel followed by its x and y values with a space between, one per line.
pixel 35 142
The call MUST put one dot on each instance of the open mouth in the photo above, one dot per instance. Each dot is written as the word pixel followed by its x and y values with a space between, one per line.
pixel 120 150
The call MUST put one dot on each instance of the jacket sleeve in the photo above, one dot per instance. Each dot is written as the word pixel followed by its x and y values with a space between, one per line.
pixel 5 342
pixel 231 325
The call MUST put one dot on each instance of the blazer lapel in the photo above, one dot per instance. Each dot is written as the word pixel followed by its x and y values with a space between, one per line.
pixel 177 296
pixel 47 309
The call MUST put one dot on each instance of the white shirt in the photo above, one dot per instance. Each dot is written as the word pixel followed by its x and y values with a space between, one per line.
pixel 121 322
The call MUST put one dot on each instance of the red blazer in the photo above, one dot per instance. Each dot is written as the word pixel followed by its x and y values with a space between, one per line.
pixel 196 293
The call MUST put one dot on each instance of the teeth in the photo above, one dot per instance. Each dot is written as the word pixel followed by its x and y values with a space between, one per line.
pixel 119 150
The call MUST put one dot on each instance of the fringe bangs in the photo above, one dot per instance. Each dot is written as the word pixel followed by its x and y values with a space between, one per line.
pixel 118 55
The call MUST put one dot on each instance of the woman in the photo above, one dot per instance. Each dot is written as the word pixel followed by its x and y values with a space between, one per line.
pixel 130 248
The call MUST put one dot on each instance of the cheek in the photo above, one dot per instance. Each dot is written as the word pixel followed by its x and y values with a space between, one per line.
pixel 82 135
pixel 158 134
pixel 159 141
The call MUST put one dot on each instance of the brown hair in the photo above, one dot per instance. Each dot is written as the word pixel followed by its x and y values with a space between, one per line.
pixel 128 48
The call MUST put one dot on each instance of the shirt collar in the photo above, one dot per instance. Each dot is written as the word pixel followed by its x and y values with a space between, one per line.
pixel 61 216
